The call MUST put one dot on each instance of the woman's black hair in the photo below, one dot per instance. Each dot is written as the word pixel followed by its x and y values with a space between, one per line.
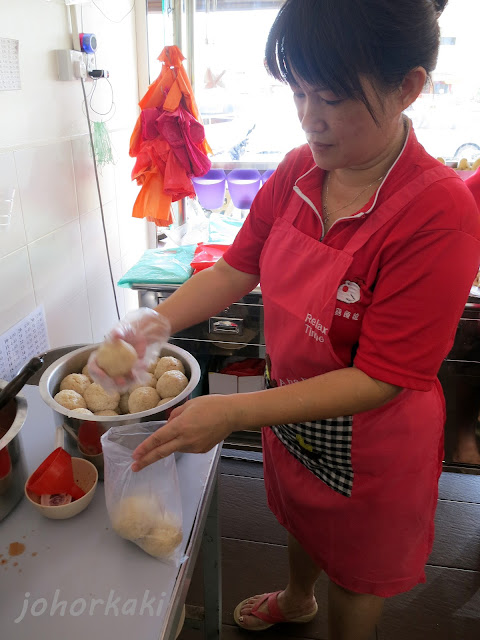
pixel 332 43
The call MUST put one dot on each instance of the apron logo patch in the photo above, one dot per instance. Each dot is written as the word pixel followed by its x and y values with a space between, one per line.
pixel 349 292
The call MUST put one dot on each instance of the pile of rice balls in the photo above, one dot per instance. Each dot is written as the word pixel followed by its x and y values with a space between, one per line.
pixel 139 519
pixel 166 380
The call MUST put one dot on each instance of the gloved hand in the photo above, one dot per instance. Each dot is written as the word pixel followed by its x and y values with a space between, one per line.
pixel 146 330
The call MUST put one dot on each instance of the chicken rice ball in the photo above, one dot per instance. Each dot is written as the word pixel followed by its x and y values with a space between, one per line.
pixel 76 382
pixel 135 516
pixel 70 399
pixel 162 540
pixel 164 400
pixel 116 358
pixel 98 399
pixel 168 363
pixel 86 372
pixel 149 381
pixel 83 411
pixel 142 399
pixel 123 404
pixel 171 383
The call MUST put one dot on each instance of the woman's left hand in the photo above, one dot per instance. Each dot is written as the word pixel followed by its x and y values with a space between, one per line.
pixel 194 427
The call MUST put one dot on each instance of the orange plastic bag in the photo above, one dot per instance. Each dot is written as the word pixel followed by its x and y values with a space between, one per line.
pixel 162 178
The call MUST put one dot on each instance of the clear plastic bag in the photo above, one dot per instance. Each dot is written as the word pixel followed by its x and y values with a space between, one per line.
pixel 144 506
pixel 147 331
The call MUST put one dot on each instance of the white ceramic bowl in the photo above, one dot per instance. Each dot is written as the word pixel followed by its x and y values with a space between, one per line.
pixel 85 475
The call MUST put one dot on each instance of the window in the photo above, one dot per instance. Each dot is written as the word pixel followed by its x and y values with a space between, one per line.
pixel 446 116
pixel 251 118
pixel 248 116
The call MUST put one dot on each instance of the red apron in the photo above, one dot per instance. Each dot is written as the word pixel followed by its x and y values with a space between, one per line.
pixel 359 493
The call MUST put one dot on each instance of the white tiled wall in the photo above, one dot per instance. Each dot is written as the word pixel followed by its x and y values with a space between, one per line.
pixel 53 253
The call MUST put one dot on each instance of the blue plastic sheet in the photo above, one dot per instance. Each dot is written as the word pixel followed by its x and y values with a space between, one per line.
pixel 161 266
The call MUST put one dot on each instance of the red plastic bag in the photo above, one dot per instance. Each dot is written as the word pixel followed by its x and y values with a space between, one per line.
pixel 206 255
pixel 247 367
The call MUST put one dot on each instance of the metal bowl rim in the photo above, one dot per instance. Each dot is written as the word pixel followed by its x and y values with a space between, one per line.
pixel 20 417
pixel 131 417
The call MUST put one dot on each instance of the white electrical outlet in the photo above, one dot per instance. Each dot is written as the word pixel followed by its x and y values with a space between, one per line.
pixel 90 61
pixel 71 64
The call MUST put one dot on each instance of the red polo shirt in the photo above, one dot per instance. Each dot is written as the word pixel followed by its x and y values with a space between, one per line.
pixel 399 304
pixel 473 183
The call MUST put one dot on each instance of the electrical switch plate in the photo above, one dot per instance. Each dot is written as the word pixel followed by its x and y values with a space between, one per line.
pixel 71 64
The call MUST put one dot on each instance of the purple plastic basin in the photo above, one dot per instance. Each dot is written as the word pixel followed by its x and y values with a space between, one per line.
pixel 243 185
pixel 266 175
pixel 210 189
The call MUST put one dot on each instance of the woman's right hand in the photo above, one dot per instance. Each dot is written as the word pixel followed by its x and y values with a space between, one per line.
pixel 146 330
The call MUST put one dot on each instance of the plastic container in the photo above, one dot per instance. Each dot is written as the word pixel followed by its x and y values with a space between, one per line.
pixel 266 175
pixel 243 185
pixel 13 469
pixel 55 475
pixel 210 189
pixel 85 476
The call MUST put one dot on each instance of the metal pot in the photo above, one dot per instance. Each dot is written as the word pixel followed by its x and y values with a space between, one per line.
pixel 13 470
pixel 74 362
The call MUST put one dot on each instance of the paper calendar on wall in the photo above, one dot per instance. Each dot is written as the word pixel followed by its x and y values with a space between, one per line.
pixel 24 340
pixel 9 65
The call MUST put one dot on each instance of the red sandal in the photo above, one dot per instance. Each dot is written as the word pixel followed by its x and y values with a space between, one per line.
pixel 272 616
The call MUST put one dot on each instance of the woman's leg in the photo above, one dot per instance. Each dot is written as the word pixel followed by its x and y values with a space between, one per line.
pixel 352 616
pixel 298 598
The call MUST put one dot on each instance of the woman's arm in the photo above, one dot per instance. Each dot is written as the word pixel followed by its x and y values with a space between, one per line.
pixel 205 294
pixel 200 424
pixel 342 392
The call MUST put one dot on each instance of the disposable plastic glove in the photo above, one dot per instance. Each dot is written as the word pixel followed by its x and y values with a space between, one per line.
pixel 147 331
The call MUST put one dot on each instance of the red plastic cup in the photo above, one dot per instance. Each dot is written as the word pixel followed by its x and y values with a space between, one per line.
pixel 89 438
pixel 55 475
pixel 5 463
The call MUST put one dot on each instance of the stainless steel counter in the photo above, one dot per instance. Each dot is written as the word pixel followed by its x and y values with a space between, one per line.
pixel 111 589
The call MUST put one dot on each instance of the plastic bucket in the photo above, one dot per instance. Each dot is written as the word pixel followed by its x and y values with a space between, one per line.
pixel 210 189
pixel 243 185
pixel 266 175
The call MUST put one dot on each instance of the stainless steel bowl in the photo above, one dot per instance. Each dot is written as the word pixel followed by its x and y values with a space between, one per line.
pixel 73 362
pixel 13 470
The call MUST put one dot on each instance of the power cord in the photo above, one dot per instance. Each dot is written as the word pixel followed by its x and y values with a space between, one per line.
pixel 111 20
pixel 100 197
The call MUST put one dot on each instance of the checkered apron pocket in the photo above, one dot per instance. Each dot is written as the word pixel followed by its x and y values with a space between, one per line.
pixel 324 447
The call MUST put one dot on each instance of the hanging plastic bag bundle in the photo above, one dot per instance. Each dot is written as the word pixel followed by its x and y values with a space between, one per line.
pixel 168 142
pixel 145 506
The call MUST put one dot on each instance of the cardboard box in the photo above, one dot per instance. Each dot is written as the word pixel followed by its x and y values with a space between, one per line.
pixel 225 384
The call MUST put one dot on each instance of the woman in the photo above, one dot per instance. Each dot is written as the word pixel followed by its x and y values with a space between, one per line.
pixel 365 248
